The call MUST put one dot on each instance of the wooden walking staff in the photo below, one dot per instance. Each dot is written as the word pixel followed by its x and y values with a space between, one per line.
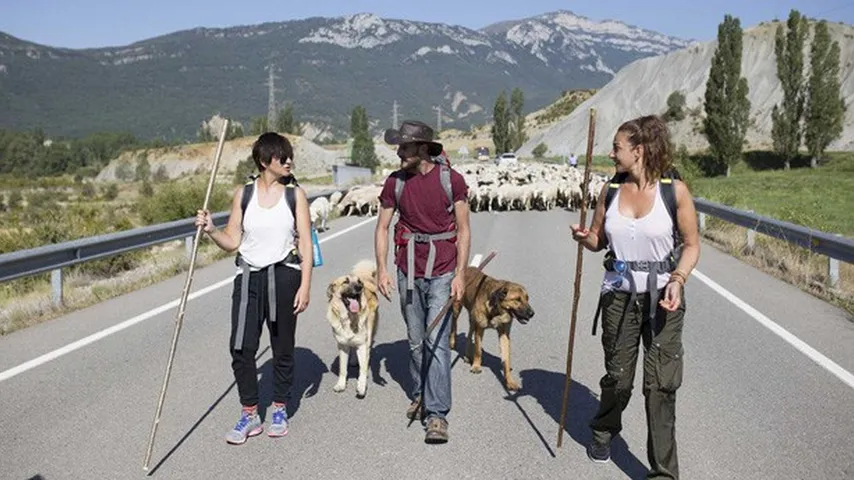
pixel 180 318
pixel 577 293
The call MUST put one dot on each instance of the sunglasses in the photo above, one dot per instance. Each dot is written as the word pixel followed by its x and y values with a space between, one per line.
pixel 285 161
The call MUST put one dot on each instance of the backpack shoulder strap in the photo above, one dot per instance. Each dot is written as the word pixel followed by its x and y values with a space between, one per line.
pixel 399 182
pixel 291 197
pixel 668 194
pixel 445 179
pixel 248 190
pixel 613 187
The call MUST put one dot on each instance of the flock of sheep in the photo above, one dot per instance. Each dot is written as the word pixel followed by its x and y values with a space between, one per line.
pixel 522 186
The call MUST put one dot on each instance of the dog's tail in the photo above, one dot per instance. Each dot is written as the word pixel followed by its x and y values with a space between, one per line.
pixel 366 269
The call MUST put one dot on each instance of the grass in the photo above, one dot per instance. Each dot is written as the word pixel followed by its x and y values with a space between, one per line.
pixel 821 198
pixel 19 311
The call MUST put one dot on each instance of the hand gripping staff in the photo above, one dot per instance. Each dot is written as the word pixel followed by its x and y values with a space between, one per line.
pixel 435 323
pixel 577 293
pixel 179 320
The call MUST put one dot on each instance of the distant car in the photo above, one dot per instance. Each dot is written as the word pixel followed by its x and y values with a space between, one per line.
pixel 507 159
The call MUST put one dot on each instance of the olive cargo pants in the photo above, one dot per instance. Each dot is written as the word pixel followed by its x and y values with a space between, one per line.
pixel 662 374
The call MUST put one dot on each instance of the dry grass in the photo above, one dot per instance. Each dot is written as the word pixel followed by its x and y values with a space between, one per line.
pixel 80 291
pixel 794 265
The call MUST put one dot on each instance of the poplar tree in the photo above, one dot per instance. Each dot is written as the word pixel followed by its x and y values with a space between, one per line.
pixel 786 131
pixel 825 108
pixel 726 104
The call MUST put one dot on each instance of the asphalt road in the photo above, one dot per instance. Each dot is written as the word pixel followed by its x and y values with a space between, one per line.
pixel 756 402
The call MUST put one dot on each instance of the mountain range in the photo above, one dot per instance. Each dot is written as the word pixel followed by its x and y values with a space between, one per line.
pixel 166 86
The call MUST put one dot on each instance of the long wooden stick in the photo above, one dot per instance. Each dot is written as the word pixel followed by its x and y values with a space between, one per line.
pixel 181 306
pixel 577 293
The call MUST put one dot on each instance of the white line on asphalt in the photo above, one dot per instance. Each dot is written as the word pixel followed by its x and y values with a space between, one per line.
pixel 781 332
pixel 5 375
pixel 475 261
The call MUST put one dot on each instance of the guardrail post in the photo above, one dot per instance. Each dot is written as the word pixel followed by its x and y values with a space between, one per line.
pixel 188 246
pixel 701 221
pixel 751 237
pixel 833 270
pixel 56 287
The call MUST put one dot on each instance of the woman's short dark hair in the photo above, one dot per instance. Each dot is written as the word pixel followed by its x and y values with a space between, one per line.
pixel 651 132
pixel 271 145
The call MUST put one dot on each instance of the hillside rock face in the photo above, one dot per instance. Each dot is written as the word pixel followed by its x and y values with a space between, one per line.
pixel 310 158
pixel 642 88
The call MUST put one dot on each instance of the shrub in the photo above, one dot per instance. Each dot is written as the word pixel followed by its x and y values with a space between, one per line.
pixel 176 201
pixel 540 150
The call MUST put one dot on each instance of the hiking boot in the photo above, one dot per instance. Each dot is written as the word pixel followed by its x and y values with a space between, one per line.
pixel 599 452
pixel 279 425
pixel 415 409
pixel 437 430
pixel 249 425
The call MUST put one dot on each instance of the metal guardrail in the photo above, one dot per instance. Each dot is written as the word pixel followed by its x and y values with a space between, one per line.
pixel 54 258
pixel 835 247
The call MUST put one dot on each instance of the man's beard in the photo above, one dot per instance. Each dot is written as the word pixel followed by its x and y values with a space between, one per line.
pixel 409 164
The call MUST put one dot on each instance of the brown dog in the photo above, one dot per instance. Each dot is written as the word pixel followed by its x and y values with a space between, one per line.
pixel 491 303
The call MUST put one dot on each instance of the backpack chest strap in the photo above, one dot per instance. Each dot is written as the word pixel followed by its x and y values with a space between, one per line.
pixel 415 237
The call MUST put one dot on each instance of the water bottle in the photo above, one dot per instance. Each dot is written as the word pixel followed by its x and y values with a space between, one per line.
pixel 315 249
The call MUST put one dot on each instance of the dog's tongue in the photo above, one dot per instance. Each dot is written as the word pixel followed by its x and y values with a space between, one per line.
pixel 353 305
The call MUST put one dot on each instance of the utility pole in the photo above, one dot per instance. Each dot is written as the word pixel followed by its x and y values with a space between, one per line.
pixel 271 103
pixel 438 118
pixel 394 116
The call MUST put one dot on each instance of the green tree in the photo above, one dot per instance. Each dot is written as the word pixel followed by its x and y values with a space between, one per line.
pixel 146 190
pixel 726 104
pixel 675 107
pixel 825 109
pixel 516 122
pixel 362 153
pixel 123 171
pixel 540 150
pixel 500 128
pixel 259 125
pixel 286 123
pixel 160 175
pixel 786 118
pixel 143 168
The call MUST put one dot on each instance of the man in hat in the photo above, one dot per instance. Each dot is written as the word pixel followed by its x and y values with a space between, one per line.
pixel 432 241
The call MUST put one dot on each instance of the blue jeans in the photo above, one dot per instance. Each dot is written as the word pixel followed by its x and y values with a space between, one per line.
pixel 427 300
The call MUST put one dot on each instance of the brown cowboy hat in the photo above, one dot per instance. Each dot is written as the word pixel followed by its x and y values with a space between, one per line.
pixel 413 131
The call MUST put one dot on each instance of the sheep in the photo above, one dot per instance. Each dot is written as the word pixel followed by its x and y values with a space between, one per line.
pixel 319 211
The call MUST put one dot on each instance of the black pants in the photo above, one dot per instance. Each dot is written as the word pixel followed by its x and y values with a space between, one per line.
pixel 282 333
pixel 662 375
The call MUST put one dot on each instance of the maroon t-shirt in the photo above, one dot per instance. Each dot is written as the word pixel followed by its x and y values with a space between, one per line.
pixel 424 208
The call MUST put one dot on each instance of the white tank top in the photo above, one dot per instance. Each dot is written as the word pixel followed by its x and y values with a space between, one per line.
pixel 647 238
pixel 268 233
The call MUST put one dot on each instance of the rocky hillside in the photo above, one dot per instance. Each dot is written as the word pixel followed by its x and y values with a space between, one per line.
pixel 643 86
pixel 166 86
pixel 311 159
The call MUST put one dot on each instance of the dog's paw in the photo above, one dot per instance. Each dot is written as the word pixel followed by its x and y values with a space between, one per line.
pixel 361 387
pixel 339 387
pixel 513 385
pixel 475 369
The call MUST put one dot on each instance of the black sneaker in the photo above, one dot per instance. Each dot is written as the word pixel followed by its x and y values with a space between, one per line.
pixel 599 452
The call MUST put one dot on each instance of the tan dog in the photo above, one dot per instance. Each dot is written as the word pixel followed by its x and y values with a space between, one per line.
pixel 494 304
pixel 353 314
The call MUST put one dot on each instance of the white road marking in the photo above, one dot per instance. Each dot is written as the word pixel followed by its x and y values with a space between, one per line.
pixel 475 261
pixel 7 374
pixel 781 332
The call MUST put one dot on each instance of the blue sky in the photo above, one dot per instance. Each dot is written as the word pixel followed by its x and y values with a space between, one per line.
pixel 99 23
